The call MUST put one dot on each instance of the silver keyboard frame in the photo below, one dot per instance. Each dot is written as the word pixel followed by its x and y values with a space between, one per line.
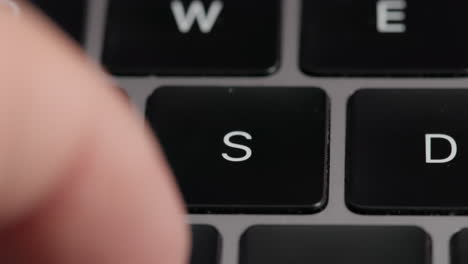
pixel 231 227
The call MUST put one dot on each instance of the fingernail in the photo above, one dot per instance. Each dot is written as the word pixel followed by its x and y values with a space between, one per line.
pixel 10 7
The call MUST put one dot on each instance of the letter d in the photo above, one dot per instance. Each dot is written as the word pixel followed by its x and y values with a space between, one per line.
pixel 453 146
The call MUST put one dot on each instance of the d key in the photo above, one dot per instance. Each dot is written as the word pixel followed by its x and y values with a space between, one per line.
pixel 407 151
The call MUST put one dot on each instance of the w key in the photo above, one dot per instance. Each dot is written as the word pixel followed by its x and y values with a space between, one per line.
pixel 192 37
pixel 245 150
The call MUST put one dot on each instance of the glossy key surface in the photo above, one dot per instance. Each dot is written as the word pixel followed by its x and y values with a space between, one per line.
pixel 248 150
pixel 384 37
pixel 407 151
pixel 459 247
pixel 208 37
pixel 206 245
pixel 335 245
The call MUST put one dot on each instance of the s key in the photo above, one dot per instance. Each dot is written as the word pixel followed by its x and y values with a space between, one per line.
pixel 384 37
pixel 245 150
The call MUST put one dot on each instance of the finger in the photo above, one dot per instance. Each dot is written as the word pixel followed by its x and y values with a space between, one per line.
pixel 80 179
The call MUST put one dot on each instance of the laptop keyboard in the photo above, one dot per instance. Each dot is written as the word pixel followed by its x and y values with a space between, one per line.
pixel 327 131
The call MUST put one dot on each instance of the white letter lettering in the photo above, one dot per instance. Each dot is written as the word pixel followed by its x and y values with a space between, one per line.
pixel 227 141
pixel 196 11
pixel 391 11
pixel 453 146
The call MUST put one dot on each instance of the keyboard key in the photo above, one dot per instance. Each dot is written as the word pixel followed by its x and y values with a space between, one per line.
pixel 335 245
pixel 459 247
pixel 384 37
pixel 70 15
pixel 190 37
pixel 172 37
pixel 206 245
pixel 245 150
pixel 407 151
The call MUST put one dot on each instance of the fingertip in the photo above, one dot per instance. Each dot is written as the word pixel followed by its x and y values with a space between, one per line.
pixel 81 179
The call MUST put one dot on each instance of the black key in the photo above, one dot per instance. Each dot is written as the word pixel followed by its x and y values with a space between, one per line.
pixel 459 247
pixel 407 151
pixel 206 245
pixel 189 37
pixel 69 15
pixel 335 245
pixel 245 150
pixel 384 37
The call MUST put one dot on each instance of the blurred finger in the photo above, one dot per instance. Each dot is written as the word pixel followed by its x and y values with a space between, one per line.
pixel 81 181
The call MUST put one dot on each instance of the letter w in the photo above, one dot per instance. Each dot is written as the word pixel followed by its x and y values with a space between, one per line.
pixel 196 11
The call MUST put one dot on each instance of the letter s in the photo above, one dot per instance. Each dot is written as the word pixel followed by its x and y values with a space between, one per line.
pixel 227 141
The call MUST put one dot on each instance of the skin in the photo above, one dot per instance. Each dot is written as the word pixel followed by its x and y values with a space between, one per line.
pixel 81 179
